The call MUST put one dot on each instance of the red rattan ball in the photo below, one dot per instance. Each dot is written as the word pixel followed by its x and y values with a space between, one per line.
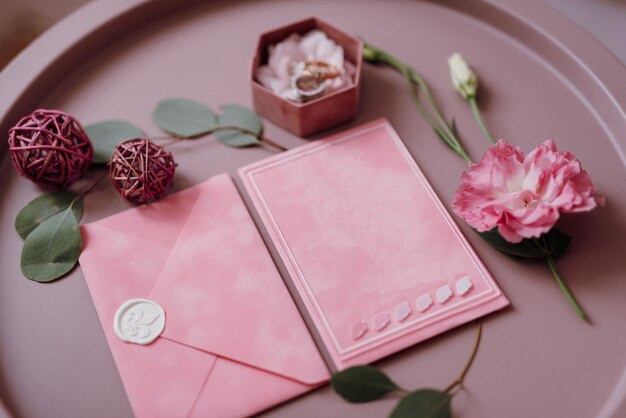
pixel 50 148
pixel 141 170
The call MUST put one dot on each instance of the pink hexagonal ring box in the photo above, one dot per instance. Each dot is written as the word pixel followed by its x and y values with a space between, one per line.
pixel 327 111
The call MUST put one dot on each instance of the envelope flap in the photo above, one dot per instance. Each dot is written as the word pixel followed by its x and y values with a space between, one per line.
pixel 159 222
pixel 222 293
pixel 165 378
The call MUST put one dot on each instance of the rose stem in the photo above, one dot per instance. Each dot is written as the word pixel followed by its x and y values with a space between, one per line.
pixel 568 294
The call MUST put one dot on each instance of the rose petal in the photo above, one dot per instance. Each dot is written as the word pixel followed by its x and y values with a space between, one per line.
pixel 523 196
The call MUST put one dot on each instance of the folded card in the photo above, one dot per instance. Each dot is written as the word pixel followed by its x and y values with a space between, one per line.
pixel 189 280
pixel 374 257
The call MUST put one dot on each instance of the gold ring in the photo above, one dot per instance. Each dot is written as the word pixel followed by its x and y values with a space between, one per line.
pixel 321 69
pixel 307 85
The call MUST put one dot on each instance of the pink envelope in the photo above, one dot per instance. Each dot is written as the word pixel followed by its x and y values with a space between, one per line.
pixel 234 342
pixel 373 255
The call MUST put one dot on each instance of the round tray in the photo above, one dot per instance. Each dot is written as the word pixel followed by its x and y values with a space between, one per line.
pixel 542 77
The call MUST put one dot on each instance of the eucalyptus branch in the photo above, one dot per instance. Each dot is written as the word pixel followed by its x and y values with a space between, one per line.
pixel 259 136
pixel 264 140
pixel 171 139
pixel 459 380
pixel 91 187
pixel 359 384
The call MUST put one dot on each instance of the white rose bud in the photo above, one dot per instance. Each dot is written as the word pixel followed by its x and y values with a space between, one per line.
pixel 463 78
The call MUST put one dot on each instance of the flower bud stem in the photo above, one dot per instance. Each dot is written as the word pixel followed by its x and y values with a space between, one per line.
pixel 479 119
pixel 416 81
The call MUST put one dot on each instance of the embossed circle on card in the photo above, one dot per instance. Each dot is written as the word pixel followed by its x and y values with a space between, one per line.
pixel 139 321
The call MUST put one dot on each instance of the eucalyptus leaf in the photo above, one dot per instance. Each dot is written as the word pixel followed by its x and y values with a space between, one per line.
pixel 45 206
pixel 106 135
pixel 52 249
pixel 360 384
pixel 557 242
pixel 240 117
pixel 423 403
pixel 184 118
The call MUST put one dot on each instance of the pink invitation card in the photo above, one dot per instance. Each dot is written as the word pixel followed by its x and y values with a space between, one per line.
pixel 198 318
pixel 373 256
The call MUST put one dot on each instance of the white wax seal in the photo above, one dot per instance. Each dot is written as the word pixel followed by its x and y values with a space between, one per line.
pixel 139 321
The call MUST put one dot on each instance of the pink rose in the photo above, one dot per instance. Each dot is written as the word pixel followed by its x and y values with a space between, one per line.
pixel 523 196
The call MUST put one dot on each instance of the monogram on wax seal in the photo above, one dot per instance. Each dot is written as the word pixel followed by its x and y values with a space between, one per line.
pixel 139 321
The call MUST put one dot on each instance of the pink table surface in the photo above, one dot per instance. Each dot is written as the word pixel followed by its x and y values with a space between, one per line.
pixel 543 77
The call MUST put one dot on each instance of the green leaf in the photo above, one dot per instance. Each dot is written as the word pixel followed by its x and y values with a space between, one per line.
pixel 445 140
pixel 52 249
pixel 241 117
pixel 525 248
pixel 107 134
pixel 184 118
pixel 43 207
pixel 360 384
pixel 423 403
pixel 557 242
pixel 453 127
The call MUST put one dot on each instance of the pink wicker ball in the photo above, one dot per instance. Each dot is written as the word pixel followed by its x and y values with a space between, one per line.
pixel 50 148
pixel 141 170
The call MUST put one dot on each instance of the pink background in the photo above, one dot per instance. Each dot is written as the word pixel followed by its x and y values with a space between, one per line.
pixel 543 78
